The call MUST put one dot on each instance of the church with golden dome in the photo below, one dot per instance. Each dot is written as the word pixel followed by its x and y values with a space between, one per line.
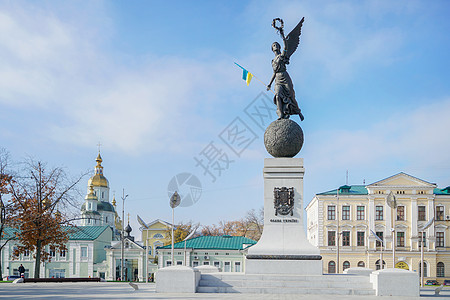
pixel 96 209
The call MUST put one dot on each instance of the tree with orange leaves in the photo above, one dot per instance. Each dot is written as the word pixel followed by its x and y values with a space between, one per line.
pixel 5 212
pixel 37 199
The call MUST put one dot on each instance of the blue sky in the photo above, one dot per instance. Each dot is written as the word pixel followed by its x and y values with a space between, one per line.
pixel 154 82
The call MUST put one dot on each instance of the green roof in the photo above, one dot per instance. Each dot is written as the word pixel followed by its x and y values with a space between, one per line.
pixel 86 232
pixel 224 242
pixel 445 191
pixel 75 233
pixel 348 190
pixel 361 190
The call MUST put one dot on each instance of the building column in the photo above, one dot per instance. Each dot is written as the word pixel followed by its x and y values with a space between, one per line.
pixel 371 218
pixel 414 232
pixel 141 266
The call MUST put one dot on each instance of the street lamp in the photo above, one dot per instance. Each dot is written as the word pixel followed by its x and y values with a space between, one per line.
pixel 422 231
pixel 123 233
pixel 392 203
pixel 174 202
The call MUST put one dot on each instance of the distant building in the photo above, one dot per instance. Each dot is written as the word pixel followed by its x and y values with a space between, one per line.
pixel 97 210
pixel 224 252
pixel 85 255
pixel 352 211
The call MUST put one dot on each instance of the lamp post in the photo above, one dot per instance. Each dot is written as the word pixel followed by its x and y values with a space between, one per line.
pixel 392 203
pixel 337 232
pixel 123 234
pixel 422 231
pixel 174 202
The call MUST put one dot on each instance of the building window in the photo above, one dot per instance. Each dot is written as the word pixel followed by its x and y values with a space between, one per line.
pixel 377 264
pixel 345 265
pixel 400 213
pixel 400 239
pixel 227 266
pixel 346 212
pixel 103 195
pixel 168 263
pixel 424 239
pixel 379 213
pixel 360 213
pixel 195 263
pixel 62 254
pixel 361 264
pixel 440 269
pixel 421 213
pixel 331 267
pixel 439 213
pixel 237 266
pixel 439 239
pixel 26 254
pixel 424 269
pixel 380 235
pixel 84 252
pixel 217 264
pixel 345 238
pixel 206 263
pixel 179 263
pixel 331 212
pixel 158 236
pixel 360 238
pixel 52 253
pixel 331 238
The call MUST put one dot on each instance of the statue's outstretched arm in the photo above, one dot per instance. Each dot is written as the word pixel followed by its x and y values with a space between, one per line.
pixel 271 80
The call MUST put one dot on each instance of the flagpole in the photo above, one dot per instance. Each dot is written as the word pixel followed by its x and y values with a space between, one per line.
pixel 254 77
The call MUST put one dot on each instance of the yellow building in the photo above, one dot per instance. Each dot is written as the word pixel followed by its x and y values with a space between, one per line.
pixel 155 235
pixel 354 211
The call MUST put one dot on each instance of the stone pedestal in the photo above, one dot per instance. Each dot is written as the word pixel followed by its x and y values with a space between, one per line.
pixel 177 279
pixel 283 247
pixel 396 282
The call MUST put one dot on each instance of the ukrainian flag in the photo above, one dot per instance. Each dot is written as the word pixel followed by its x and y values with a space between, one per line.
pixel 246 75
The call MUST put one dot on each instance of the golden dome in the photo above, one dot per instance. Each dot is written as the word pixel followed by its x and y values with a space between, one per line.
pixel 91 195
pixel 98 180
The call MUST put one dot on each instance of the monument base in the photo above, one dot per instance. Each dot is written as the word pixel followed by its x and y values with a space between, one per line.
pixel 275 266
pixel 283 247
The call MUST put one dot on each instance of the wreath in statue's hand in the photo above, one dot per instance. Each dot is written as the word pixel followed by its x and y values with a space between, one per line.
pixel 274 24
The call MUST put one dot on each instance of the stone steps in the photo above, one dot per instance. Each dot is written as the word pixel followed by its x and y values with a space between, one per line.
pixel 289 284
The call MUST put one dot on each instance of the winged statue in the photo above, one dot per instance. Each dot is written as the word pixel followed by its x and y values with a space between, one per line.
pixel 284 97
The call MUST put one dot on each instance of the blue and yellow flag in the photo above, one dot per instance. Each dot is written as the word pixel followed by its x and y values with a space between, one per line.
pixel 246 75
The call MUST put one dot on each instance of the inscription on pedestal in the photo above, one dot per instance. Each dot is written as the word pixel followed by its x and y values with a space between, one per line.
pixel 283 200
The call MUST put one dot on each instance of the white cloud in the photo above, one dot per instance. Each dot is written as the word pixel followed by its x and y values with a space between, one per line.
pixel 412 138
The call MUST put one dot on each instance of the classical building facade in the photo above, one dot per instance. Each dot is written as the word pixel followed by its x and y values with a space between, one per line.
pixel 85 255
pixel 342 220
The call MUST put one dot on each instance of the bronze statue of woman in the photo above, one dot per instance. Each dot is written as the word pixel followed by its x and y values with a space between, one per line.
pixel 284 97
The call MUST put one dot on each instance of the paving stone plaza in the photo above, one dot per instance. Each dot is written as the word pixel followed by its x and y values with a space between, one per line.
pixel 113 290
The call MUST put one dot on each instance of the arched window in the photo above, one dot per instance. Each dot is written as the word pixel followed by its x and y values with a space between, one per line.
pixel 377 264
pixel 440 269
pixel 345 265
pixel 158 236
pixel 424 269
pixel 361 264
pixel 331 267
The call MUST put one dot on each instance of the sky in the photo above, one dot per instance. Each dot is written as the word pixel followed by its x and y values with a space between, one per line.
pixel 154 82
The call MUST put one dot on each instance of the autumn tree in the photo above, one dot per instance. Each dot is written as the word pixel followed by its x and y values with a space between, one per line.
pixel 5 211
pixel 250 226
pixel 41 199
pixel 182 230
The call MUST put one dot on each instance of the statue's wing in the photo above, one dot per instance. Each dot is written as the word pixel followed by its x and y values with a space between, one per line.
pixel 293 38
